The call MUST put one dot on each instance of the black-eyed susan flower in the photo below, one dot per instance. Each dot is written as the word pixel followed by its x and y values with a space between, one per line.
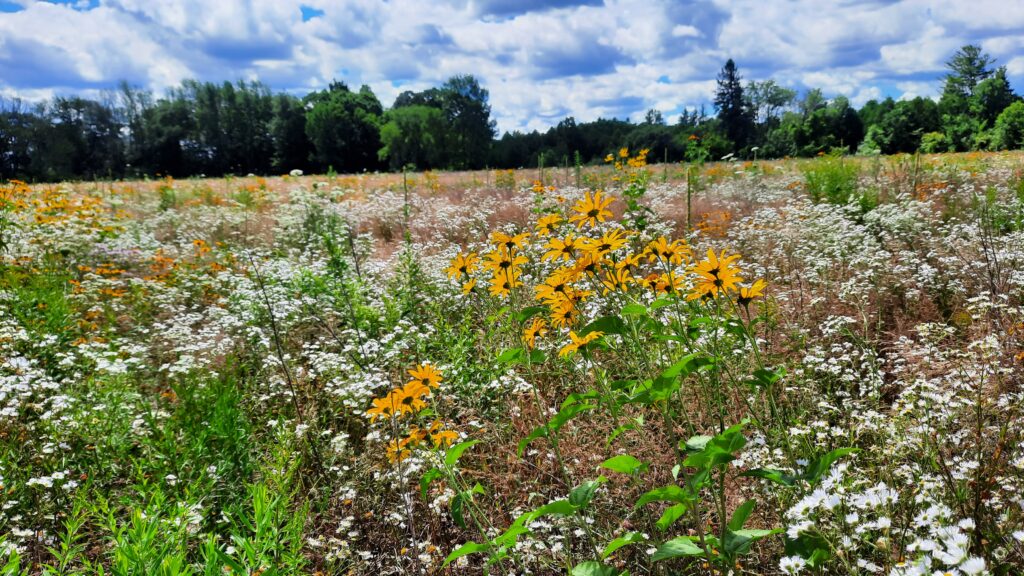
pixel 561 248
pixel 537 328
pixel 462 266
pixel 427 375
pixel 593 208
pixel 576 342
pixel 715 274
pixel 546 224
pixel 747 294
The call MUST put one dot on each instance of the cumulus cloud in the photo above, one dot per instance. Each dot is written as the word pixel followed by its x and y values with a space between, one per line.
pixel 541 61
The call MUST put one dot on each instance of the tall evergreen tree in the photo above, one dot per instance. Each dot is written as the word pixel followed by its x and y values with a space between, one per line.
pixel 732 106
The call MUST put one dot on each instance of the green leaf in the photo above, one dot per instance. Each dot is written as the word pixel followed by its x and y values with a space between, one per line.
pixel 666 494
pixel 538 356
pixel 526 313
pixel 624 464
pixel 538 432
pixel 676 547
pixel 696 443
pixel 558 508
pixel 821 465
pixel 465 550
pixel 810 546
pixel 776 476
pixel 593 568
pixel 512 356
pixel 680 368
pixel 455 452
pixel 624 540
pixel 739 541
pixel 634 310
pixel 606 324
pixel 428 477
pixel 670 515
pixel 581 495
pixel 456 509
pixel 660 303
pixel 765 377
pixel 740 515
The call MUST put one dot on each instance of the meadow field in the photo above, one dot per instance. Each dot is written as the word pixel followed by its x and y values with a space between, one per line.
pixel 781 367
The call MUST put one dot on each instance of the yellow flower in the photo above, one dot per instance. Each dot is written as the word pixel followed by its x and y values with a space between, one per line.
pixel 609 158
pixel 408 403
pixel 576 342
pixel 561 248
pixel 610 242
pixel 715 274
pixel 500 261
pixel 624 153
pixel 668 284
pixel 397 451
pixel 501 240
pixel 618 279
pixel 444 438
pixel 503 282
pixel 536 329
pixel 557 282
pixel 747 295
pixel 427 375
pixel 546 224
pixel 668 252
pixel 589 264
pixel 630 263
pixel 563 313
pixel 385 407
pixel 591 209
pixel 467 287
pixel 416 389
pixel 462 265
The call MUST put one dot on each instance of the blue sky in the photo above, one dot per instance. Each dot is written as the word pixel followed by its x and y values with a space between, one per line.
pixel 541 61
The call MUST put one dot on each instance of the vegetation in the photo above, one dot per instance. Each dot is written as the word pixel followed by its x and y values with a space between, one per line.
pixel 776 367
pixel 203 128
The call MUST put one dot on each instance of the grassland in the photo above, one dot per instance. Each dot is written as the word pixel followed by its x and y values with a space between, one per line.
pixel 398 374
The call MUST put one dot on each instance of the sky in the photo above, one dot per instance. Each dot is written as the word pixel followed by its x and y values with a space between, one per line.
pixel 541 61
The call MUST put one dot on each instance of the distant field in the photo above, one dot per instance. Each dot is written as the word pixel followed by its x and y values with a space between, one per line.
pixel 796 366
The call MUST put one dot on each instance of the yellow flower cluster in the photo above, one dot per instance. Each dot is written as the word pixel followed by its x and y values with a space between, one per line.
pixel 410 399
pixel 588 260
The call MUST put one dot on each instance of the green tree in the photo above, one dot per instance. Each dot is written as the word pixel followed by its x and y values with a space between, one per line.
pixel 1009 128
pixel 344 128
pixel 732 108
pixel 413 135
pixel 468 114
pixel 292 148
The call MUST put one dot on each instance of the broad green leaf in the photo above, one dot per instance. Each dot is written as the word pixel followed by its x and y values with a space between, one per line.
pixel 740 515
pixel 696 443
pixel 624 540
pixel 606 324
pixel 538 432
pixel 581 495
pixel 425 480
pixel 739 541
pixel 666 494
pixel 526 313
pixel 680 368
pixel 455 452
pixel 670 515
pixel 456 508
pixel 512 356
pixel 810 546
pixel 593 568
pixel 776 476
pixel 676 547
pixel 634 310
pixel 464 550
pixel 624 464
pixel 660 303
pixel 821 465
pixel 765 377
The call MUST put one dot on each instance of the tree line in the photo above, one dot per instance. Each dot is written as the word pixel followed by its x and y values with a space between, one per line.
pixel 205 128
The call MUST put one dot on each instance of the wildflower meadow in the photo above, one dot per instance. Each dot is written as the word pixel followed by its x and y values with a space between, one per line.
pixel 799 366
